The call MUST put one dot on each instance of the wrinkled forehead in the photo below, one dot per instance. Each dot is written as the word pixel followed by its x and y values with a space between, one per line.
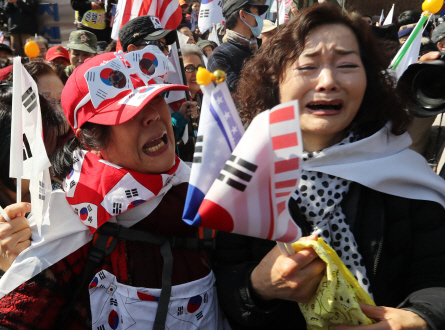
pixel 331 37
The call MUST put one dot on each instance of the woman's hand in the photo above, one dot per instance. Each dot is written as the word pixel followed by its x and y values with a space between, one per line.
pixel 388 319
pixel 14 235
pixel 189 109
pixel 291 278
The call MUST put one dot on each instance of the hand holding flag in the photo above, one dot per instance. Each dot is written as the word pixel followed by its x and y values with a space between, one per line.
pixel 28 158
pixel 249 194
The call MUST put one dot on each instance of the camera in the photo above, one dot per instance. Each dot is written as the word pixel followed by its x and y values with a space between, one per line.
pixel 426 83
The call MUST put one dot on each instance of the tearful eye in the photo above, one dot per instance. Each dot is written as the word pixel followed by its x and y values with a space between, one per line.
pixel 147 66
pixel 117 79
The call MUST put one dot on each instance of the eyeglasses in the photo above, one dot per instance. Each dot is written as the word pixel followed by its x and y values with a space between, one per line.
pixel 191 68
pixel 157 43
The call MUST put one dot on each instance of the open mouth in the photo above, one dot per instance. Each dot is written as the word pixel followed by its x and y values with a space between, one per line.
pixel 325 105
pixel 155 144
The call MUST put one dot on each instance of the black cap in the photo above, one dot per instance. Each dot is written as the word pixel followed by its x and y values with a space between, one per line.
pixel 6 47
pixel 232 6
pixel 146 28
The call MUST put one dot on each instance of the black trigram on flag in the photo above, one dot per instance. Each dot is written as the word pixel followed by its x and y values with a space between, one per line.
pixel 113 302
pixel 117 208
pixel 101 327
pixel 26 148
pixel 220 3
pixel 29 100
pixel 197 156
pixel 131 193
pixel 204 13
pixel 206 298
pixel 41 190
pixel 102 275
pixel 180 310
pixel 199 316
pixel 241 176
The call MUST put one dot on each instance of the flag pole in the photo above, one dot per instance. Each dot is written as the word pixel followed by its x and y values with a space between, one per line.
pixel 184 79
pixel 411 38
pixel 4 215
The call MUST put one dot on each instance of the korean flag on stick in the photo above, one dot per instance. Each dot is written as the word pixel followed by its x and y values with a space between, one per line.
pixel 219 132
pixel 252 190
pixel 28 158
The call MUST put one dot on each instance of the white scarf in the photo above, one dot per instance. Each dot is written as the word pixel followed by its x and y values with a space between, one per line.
pixel 63 233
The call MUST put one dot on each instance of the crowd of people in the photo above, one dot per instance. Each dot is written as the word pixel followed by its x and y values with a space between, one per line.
pixel 122 160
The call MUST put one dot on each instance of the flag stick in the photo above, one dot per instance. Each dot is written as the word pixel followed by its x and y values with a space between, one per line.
pixel 286 249
pixel 19 190
pixel 184 79
pixel 410 40
pixel 3 213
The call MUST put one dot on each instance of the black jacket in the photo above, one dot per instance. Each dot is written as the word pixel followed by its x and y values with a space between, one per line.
pixel 400 240
pixel 22 16
pixel 229 57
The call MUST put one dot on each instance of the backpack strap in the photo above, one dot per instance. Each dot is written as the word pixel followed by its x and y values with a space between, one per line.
pixel 108 236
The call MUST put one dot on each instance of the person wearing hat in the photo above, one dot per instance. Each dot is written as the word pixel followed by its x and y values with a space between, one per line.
pixel 206 47
pixel 268 31
pixel 148 30
pixel 438 36
pixel 5 51
pixel 82 45
pixel 145 30
pixel 243 26
pixel 58 55
pixel 124 185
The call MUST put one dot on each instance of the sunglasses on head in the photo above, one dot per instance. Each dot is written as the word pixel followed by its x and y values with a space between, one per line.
pixel 157 43
pixel 191 68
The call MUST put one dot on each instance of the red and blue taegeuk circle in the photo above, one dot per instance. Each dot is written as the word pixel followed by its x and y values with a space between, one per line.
pixel 83 213
pixel 70 175
pixel 113 319
pixel 194 304
pixel 113 78
pixel 94 282
pixel 135 203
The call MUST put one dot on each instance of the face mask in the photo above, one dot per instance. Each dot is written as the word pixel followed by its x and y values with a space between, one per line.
pixel 256 31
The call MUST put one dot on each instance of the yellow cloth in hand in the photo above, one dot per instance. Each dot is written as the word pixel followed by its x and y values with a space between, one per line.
pixel 338 294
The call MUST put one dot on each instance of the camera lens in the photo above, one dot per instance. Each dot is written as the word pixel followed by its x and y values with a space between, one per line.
pixel 429 88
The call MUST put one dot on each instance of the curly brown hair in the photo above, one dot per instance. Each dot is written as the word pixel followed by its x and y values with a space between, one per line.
pixel 259 81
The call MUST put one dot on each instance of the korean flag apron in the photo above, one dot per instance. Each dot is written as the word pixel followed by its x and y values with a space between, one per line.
pixel 193 305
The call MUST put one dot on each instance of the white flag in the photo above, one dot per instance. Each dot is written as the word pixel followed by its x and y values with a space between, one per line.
pixel 220 130
pixel 274 7
pixel 214 36
pixel 193 20
pixel 388 19
pixel 282 13
pixel 174 78
pixel 410 57
pixel 382 18
pixel 29 159
pixel 251 192
pixel 210 13
pixel 28 154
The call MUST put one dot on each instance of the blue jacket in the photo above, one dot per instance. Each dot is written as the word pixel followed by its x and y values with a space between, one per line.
pixel 229 57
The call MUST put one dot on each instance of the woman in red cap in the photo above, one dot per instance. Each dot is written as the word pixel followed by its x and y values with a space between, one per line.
pixel 116 253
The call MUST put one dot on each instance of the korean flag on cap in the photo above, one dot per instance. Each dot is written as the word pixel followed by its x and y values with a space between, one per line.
pixel 107 81
pixel 149 62
pixel 156 22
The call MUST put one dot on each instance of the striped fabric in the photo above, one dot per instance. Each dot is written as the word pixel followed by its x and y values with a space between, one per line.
pixel 168 11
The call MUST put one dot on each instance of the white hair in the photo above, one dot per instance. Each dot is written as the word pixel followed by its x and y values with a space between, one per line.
pixel 190 49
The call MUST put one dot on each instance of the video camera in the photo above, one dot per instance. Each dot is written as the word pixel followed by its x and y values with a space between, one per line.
pixel 426 81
